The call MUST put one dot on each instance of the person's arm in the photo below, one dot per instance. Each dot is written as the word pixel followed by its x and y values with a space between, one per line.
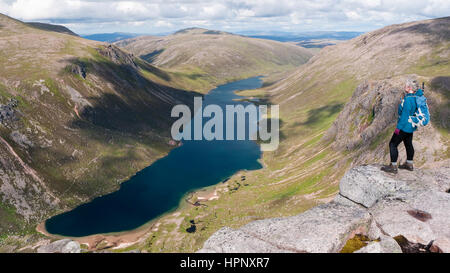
pixel 400 110
pixel 400 107
pixel 404 110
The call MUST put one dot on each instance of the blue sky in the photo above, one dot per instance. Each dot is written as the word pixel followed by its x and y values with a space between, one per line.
pixel 159 16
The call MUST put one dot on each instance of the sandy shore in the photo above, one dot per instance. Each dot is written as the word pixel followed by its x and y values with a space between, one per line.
pixel 105 241
pixel 208 196
pixel 127 238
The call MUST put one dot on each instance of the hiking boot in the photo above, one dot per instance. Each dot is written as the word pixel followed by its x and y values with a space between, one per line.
pixel 407 166
pixel 389 168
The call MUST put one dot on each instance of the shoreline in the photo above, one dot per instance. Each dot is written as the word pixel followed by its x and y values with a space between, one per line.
pixel 123 239
pixel 114 240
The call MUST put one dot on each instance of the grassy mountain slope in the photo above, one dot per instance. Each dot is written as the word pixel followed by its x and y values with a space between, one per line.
pixel 77 117
pixel 207 58
pixel 336 111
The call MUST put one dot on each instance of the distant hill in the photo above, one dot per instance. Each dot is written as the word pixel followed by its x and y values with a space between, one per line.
pixel 110 37
pixel 196 30
pixel 301 36
pixel 318 39
pixel 51 27
pixel 210 57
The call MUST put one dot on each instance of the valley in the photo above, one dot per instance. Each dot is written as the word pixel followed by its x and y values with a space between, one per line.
pixel 92 115
pixel 337 111
pixel 81 117
pixel 158 189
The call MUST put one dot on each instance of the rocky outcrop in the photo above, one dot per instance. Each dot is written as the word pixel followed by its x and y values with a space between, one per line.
pixel 8 113
pixel 79 69
pixel 117 56
pixel 407 212
pixel 372 109
pixel 61 246
pixel 368 120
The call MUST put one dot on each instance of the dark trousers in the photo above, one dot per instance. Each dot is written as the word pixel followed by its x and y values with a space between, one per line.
pixel 396 140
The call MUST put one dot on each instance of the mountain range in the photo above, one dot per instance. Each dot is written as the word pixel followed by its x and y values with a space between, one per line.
pixel 213 57
pixel 78 117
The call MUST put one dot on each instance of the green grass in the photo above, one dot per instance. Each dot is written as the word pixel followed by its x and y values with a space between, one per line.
pixel 433 64
pixel 304 186
pixel 69 48
pixel 252 93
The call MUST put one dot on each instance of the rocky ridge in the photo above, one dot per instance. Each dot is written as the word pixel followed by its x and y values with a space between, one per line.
pixel 407 212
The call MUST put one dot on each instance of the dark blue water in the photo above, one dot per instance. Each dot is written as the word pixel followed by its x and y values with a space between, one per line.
pixel 159 188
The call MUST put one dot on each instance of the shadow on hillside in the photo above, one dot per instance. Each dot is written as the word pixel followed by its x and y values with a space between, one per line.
pixel 194 76
pixel 279 130
pixel 127 111
pixel 158 72
pixel 131 104
pixel 441 85
pixel 317 115
pixel 438 30
pixel 150 57
pixel 440 109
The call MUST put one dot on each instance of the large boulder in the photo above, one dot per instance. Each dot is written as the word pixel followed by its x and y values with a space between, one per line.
pixel 422 218
pixel 325 228
pixel 365 185
pixel 61 246
pixel 228 240
pixel 415 205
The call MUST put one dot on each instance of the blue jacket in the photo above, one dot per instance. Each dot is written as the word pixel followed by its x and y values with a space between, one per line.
pixel 405 109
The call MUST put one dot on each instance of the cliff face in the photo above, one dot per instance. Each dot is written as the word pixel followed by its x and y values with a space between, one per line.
pixel 407 212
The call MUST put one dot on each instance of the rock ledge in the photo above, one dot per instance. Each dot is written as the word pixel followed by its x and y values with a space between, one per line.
pixel 407 212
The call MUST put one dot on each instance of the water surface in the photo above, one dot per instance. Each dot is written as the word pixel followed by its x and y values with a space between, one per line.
pixel 159 188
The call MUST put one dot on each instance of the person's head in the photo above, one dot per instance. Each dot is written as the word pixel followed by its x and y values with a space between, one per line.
pixel 411 86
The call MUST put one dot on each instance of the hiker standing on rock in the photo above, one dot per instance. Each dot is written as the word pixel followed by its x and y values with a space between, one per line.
pixel 413 113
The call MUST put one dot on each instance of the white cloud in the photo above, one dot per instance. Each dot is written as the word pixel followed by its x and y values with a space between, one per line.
pixel 162 23
pixel 163 15
pixel 214 11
